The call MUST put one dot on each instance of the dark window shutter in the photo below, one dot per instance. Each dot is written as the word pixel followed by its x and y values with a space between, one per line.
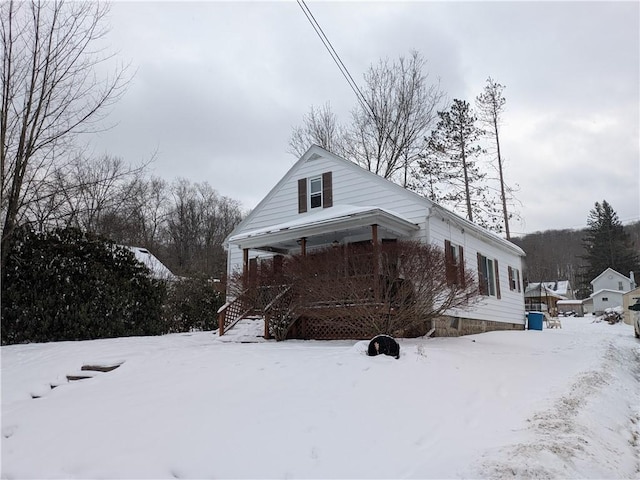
pixel 511 282
pixel 495 262
pixel 518 278
pixel 461 267
pixel 448 263
pixel 302 195
pixel 327 190
pixel 482 282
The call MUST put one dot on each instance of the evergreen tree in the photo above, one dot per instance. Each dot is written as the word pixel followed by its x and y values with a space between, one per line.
pixel 70 285
pixel 451 172
pixel 490 104
pixel 607 244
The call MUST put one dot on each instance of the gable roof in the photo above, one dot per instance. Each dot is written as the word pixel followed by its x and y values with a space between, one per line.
pixel 316 151
pixel 608 291
pixel 610 271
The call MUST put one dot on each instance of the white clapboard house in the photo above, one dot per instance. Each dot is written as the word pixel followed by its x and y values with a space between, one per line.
pixel 325 200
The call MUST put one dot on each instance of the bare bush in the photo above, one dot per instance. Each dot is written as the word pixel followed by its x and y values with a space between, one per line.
pixel 401 295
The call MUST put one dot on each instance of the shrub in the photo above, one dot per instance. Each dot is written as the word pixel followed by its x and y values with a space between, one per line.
pixel 192 304
pixel 69 285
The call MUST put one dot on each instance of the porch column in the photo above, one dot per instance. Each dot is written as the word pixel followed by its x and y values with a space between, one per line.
pixel 376 262
pixel 303 246
pixel 245 268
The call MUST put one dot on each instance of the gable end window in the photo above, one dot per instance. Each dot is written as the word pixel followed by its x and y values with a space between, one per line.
pixel 315 192
pixel 488 276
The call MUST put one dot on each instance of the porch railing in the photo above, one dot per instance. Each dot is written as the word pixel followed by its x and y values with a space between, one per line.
pixel 232 312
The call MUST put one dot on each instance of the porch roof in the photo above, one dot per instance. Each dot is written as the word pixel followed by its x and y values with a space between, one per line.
pixel 337 223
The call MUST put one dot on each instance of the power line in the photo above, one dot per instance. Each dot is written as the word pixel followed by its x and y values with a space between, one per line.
pixel 336 58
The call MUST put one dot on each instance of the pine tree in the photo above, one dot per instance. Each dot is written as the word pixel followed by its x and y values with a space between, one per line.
pixel 450 171
pixel 607 244
pixel 490 104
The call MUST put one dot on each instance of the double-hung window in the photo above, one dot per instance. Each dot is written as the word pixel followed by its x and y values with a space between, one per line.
pixel 488 276
pixel 514 279
pixel 315 192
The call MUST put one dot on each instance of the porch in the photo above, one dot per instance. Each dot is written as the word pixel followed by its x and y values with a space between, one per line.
pixel 351 281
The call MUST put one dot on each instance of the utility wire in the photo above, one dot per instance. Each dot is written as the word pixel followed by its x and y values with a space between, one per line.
pixel 336 58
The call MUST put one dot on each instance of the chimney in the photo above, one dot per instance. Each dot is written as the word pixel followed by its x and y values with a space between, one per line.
pixel 633 280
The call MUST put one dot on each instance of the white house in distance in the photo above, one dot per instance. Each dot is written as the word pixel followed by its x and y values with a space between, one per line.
pixel 609 288
pixel 326 200
pixel 158 269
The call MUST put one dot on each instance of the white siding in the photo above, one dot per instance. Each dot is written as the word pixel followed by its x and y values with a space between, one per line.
pixel 510 307
pixel 351 186
pixel 614 299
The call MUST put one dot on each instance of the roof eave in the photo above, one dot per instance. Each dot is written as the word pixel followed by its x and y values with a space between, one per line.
pixel 372 217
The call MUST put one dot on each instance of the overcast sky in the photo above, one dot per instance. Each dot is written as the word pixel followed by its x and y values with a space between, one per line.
pixel 219 86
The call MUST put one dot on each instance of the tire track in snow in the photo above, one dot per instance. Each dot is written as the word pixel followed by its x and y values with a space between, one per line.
pixel 560 440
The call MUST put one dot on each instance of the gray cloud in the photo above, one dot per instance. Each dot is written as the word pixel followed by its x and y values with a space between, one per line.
pixel 219 85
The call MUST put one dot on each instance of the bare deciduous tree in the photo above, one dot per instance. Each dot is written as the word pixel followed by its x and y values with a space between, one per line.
pixel 50 92
pixel 388 130
pixel 197 223
pixel 388 126
pixel 319 127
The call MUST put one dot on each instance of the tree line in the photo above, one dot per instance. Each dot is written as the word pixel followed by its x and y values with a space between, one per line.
pixel 51 96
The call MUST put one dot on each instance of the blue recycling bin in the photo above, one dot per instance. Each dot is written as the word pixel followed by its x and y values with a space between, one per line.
pixel 535 320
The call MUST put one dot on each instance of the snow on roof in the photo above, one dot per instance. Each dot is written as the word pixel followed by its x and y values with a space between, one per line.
pixel 541 290
pixel 560 287
pixel 158 269
pixel 324 216
pixel 606 290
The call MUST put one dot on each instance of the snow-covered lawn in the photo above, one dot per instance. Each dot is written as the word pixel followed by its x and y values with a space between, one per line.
pixel 558 403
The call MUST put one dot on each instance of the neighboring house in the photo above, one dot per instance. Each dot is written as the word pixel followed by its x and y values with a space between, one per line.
pixel 608 289
pixel 158 270
pixel 544 296
pixel 605 298
pixel 326 200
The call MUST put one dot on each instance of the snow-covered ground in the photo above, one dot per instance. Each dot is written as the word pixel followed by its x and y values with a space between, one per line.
pixel 557 403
